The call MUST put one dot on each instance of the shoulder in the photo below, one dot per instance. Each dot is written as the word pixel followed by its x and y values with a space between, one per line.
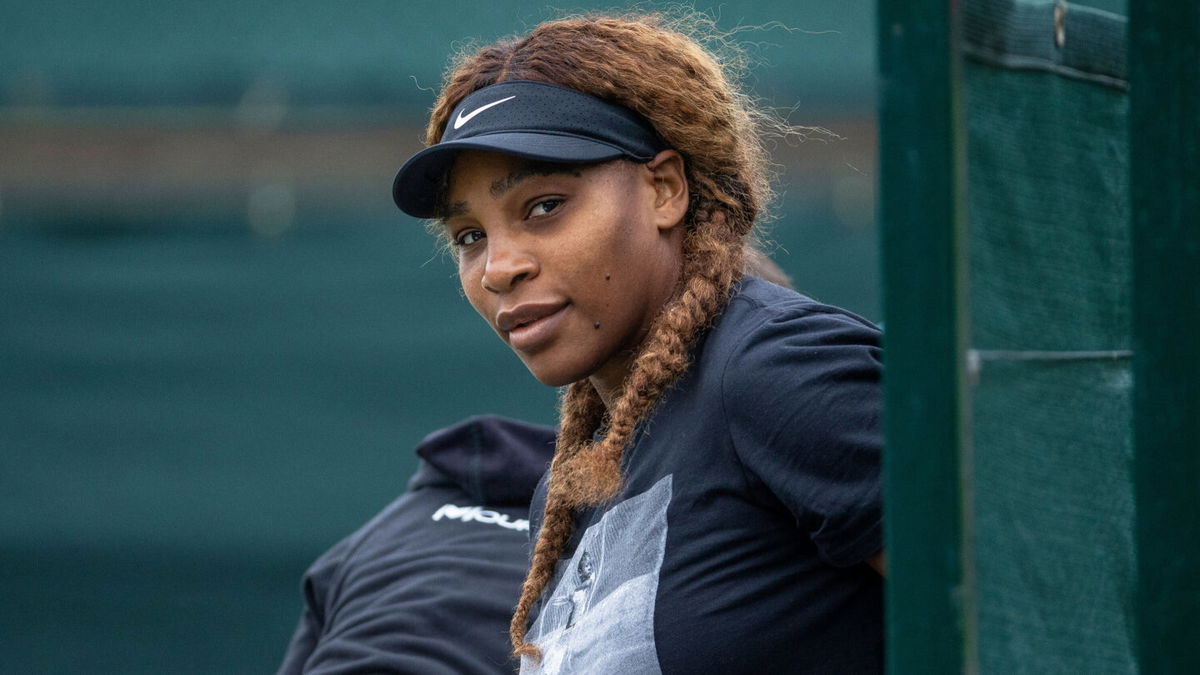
pixel 464 472
pixel 496 460
pixel 761 308
pixel 452 546
pixel 784 363
pixel 767 326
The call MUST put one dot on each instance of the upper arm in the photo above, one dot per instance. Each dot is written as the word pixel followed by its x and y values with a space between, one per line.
pixel 802 398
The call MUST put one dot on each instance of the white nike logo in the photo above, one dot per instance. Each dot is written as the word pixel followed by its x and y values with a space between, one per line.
pixel 463 119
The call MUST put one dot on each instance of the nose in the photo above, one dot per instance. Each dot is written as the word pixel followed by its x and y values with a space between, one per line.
pixel 507 264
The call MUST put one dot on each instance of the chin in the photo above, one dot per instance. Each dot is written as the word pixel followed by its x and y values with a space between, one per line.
pixel 554 375
pixel 555 379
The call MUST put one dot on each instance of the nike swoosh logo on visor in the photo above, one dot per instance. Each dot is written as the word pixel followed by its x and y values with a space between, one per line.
pixel 463 119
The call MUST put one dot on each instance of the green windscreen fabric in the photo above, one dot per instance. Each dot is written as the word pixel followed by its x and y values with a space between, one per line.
pixel 1050 497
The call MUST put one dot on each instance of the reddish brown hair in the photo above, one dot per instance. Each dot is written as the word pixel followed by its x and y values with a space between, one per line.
pixel 648 64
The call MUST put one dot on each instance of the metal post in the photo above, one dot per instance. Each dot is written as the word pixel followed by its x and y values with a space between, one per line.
pixel 923 232
pixel 1164 91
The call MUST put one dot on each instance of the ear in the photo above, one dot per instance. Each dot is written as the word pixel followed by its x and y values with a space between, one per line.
pixel 666 171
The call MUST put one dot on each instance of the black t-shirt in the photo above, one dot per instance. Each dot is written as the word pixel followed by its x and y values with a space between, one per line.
pixel 428 585
pixel 751 500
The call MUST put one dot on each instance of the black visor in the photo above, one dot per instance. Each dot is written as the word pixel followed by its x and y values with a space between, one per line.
pixel 527 119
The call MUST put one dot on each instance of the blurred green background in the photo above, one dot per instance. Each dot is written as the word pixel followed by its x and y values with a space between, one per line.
pixel 219 341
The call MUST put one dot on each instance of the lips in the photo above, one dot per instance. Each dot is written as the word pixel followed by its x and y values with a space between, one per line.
pixel 530 325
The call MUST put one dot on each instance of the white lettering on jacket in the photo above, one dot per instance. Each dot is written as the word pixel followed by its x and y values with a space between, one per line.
pixel 479 514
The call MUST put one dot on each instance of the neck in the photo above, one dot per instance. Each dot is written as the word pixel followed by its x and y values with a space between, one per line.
pixel 610 379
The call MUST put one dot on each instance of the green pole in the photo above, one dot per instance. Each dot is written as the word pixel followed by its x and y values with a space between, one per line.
pixel 923 232
pixel 1164 107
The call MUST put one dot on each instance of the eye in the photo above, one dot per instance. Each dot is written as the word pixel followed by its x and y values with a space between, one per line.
pixel 545 207
pixel 467 237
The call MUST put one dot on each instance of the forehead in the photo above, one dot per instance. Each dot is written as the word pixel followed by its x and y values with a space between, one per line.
pixel 473 170
pixel 500 172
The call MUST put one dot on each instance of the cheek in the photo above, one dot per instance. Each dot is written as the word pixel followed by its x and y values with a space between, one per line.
pixel 643 278
pixel 469 277
pixel 611 247
pixel 611 295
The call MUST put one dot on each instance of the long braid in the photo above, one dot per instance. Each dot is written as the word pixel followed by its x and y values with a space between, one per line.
pixel 581 412
pixel 640 62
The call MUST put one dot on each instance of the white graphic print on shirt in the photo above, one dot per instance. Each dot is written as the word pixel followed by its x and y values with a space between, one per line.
pixel 600 616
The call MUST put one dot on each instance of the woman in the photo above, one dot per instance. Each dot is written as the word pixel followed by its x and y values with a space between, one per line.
pixel 714 493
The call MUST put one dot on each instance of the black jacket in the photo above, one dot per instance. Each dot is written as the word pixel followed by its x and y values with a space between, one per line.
pixel 429 584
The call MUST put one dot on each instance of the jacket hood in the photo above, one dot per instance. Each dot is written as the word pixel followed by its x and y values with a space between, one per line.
pixel 496 460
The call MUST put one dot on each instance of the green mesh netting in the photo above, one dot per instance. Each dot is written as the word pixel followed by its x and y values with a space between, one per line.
pixel 1052 498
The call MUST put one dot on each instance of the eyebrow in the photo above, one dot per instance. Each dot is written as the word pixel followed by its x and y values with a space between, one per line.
pixel 503 185
pixel 452 210
pixel 499 187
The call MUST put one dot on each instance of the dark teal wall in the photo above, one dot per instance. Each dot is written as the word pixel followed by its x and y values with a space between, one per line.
pixel 369 51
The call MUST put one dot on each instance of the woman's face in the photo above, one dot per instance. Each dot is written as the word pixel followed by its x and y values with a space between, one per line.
pixel 568 264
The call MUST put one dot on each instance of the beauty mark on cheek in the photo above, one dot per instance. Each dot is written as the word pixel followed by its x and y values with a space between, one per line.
pixel 596 325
